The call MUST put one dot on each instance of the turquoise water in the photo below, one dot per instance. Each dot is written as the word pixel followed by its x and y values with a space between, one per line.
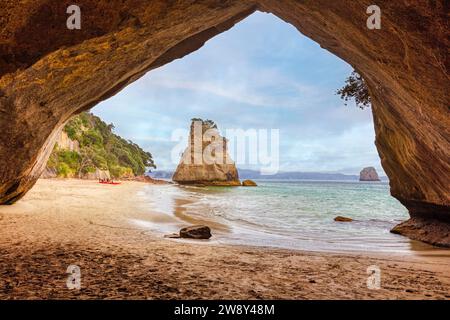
pixel 294 214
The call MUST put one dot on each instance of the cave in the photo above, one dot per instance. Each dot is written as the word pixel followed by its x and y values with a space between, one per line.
pixel 50 73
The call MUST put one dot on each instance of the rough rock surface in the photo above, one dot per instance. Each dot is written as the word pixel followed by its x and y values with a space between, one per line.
pixel 147 179
pixel 343 219
pixel 427 230
pixel 206 160
pixel 249 183
pixel 196 232
pixel 97 174
pixel 49 73
pixel 369 174
pixel 64 142
pixel 49 173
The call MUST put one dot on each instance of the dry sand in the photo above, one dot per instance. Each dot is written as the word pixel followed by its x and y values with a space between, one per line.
pixel 72 222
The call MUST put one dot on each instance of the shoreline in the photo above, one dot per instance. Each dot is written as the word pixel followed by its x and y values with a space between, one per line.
pixel 63 222
pixel 188 208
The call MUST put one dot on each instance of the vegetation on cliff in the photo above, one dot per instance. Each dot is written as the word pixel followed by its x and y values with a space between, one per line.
pixel 355 88
pixel 207 122
pixel 99 148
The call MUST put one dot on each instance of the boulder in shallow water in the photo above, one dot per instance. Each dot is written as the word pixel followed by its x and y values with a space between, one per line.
pixel 343 219
pixel 249 183
pixel 196 232
pixel 433 232
pixel 172 236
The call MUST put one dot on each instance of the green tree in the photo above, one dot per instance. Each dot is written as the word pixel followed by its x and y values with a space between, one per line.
pixel 355 88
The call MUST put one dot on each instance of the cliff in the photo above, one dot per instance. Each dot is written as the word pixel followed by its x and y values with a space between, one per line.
pixel 369 174
pixel 206 160
pixel 87 148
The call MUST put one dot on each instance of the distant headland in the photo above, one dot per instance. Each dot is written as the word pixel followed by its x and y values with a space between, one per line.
pixel 283 175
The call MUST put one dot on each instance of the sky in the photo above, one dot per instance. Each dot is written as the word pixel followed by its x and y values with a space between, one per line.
pixel 262 74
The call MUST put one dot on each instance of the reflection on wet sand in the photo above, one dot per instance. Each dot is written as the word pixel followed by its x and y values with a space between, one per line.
pixel 179 211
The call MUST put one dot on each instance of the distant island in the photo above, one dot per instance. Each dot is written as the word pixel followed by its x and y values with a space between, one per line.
pixel 294 175
pixel 369 174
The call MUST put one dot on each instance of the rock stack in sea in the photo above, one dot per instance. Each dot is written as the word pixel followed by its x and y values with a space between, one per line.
pixel 206 160
pixel 368 174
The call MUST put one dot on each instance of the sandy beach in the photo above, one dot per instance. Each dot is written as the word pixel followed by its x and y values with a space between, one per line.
pixel 74 222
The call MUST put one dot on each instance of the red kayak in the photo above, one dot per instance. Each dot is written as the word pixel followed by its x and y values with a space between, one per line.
pixel 113 183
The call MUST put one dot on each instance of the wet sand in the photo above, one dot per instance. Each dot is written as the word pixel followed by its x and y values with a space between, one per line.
pixel 72 222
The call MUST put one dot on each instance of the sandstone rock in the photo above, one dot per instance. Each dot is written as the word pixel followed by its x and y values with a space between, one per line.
pixel 368 174
pixel 431 231
pixel 196 232
pixel 65 143
pixel 97 174
pixel 147 179
pixel 249 183
pixel 206 160
pixel 48 74
pixel 172 236
pixel 343 219
pixel 49 173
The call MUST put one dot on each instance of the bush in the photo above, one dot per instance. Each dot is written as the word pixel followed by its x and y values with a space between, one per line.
pixel 92 137
pixel 71 133
pixel 71 158
pixel 63 170
pixel 118 172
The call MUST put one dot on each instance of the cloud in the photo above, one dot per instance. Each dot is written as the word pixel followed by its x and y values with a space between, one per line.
pixel 260 74
pixel 243 93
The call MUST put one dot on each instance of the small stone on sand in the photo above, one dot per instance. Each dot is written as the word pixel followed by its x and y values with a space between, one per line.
pixel 196 232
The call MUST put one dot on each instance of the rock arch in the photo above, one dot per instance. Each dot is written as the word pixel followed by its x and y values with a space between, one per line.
pixel 49 73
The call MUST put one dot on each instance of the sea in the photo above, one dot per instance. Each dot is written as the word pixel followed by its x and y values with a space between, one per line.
pixel 287 214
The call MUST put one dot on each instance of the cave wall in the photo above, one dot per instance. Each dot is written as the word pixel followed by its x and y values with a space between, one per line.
pixel 405 65
pixel 49 73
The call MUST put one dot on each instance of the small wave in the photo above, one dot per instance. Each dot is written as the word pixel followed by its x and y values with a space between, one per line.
pixel 295 214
